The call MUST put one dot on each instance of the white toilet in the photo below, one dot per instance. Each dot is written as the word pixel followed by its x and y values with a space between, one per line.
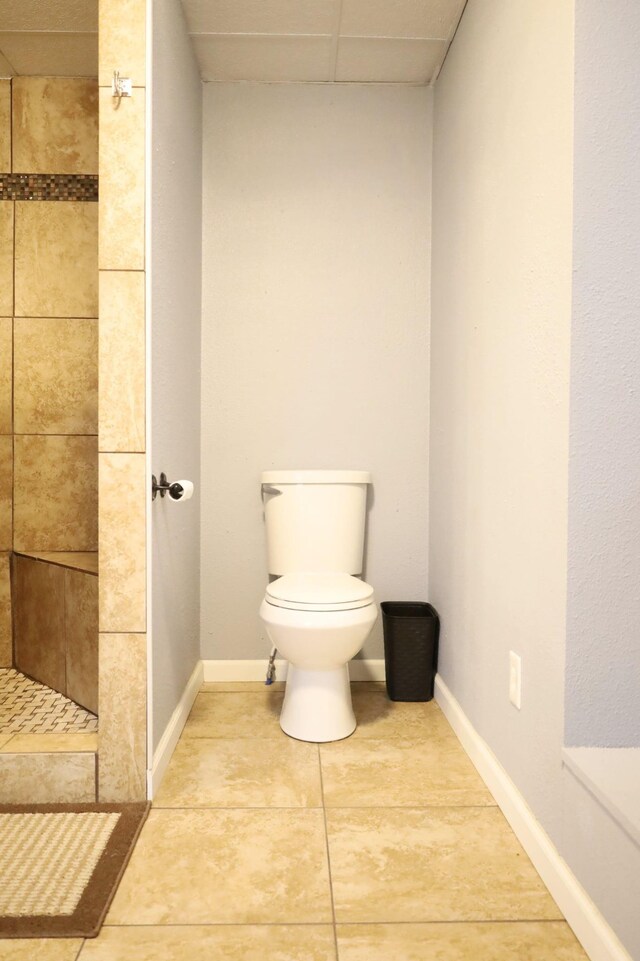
pixel 317 613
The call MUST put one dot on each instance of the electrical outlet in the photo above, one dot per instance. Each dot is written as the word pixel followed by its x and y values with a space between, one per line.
pixel 515 679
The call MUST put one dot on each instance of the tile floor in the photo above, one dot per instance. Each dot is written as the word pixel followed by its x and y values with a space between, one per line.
pixel 384 846
pixel 28 707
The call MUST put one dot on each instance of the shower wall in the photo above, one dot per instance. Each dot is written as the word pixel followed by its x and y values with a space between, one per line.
pixel 48 323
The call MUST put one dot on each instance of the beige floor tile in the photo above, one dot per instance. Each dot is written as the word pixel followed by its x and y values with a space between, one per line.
pixel 242 773
pixel 228 942
pixel 233 867
pixel 436 864
pixel 50 743
pixel 368 773
pixel 235 715
pixel 378 717
pixel 532 941
pixel 42 949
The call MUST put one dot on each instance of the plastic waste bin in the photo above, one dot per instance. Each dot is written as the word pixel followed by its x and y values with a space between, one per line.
pixel 411 633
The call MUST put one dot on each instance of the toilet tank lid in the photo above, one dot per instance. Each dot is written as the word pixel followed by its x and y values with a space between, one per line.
pixel 316 477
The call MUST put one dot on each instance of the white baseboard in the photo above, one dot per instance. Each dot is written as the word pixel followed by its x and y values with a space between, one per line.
pixel 597 938
pixel 359 670
pixel 172 732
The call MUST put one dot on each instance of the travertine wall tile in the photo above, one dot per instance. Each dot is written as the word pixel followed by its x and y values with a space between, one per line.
pixel 81 633
pixel 6 258
pixel 122 360
pixel 55 493
pixel 5 126
pixel 6 487
pixel 56 264
pixel 55 125
pixel 123 717
pixel 6 642
pixel 47 778
pixel 56 376
pixel 6 361
pixel 39 621
pixel 122 143
pixel 122 38
pixel 122 525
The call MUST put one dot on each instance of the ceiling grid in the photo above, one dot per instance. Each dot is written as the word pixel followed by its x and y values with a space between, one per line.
pixel 289 41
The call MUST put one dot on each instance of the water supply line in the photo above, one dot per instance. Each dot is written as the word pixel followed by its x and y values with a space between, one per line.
pixel 271 667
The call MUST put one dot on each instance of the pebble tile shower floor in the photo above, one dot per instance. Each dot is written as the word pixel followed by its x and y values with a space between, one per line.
pixel 384 847
pixel 28 707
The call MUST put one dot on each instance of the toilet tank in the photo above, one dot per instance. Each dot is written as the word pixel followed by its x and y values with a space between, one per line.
pixel 316 520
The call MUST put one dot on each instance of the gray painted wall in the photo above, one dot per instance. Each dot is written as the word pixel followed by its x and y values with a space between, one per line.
pixel 501 310
pixel 511 547
pixel 176 220
pixel 603 626
pixel 315 327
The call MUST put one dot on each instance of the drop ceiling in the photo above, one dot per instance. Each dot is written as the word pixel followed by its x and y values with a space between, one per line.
pixel 324 41
pixel 365 41
pixel 57 38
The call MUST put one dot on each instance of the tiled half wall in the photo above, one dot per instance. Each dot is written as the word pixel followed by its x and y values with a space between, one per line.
pixel 48 322
pixel 122 756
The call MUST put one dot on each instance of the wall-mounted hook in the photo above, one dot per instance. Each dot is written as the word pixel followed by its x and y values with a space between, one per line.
pixel 121 87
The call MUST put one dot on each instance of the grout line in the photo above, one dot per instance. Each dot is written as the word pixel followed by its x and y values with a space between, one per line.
pixel 335 40
pixel 326 841
pixel 82 944
pixel 316 807
pixel 327 924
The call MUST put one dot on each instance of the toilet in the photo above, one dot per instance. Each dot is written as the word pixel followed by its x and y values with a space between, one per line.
pixel 317 612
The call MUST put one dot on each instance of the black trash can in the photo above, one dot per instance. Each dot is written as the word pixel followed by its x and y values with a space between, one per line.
pixel 411 633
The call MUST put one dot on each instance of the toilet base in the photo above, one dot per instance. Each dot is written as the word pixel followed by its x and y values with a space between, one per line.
pixel 317 704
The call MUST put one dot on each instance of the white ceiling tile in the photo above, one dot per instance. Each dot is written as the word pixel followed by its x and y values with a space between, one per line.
pixel 388 61
pixel 6 70
pixel 52 54
pixel 261 16
pixel 434 19
pixel 264 58
pixel 71 16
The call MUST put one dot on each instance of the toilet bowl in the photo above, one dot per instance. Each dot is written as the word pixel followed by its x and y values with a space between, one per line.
pixel 318 622
pixel 316 612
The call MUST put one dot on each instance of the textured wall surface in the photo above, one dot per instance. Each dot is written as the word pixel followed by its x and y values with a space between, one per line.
pixel 176 219
pixel 501 311
pixel 603 627
pixel 315 327
pixel 509 519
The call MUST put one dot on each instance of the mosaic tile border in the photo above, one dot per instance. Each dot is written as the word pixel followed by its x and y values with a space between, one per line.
pixel 49 187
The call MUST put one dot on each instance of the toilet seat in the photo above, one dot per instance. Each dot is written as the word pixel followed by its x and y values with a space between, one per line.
pixel 319 592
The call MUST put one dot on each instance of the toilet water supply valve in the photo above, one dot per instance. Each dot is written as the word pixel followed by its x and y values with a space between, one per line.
pixel 271 667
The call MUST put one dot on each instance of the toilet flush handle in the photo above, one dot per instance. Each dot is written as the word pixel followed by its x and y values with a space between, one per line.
pixel 268 489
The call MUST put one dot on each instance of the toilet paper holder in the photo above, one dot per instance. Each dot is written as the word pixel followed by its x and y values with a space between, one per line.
pixel 176 491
